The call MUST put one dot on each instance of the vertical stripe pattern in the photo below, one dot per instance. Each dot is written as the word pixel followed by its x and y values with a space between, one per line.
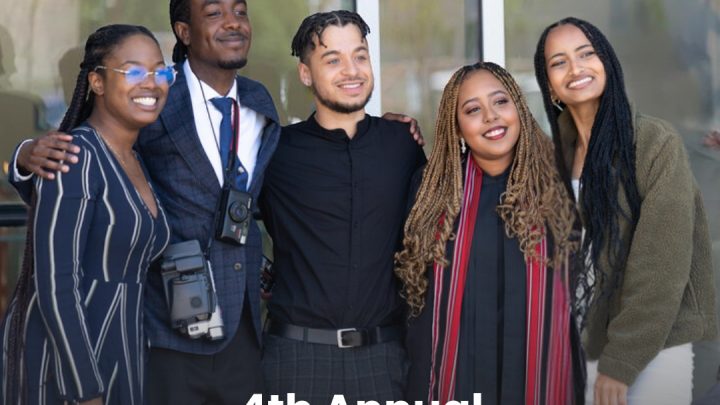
pixel 93 241
pixel 548 347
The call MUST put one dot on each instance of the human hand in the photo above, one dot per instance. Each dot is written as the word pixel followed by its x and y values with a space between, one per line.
pixel 94 401
pixel 267 279
pixel 609 391
pixel 47 154
pixel 712 140
pixel 414 127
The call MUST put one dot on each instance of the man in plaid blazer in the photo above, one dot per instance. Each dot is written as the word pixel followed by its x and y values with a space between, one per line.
pixel 181 154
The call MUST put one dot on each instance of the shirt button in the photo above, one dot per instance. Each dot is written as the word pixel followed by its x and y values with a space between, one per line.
pixel 241 170
pixel 237 266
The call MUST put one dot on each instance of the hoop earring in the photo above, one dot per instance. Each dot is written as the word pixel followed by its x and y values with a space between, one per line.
pixel 463 146
pixel 556 103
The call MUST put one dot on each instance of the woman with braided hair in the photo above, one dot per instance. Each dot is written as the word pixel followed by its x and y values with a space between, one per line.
pixel 646 244
pixel 74 331
pixel 485 256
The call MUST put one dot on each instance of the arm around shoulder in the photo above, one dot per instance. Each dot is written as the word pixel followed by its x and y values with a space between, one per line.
pixel 42 156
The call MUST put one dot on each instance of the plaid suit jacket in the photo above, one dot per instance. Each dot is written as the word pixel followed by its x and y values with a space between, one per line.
pixel 186 184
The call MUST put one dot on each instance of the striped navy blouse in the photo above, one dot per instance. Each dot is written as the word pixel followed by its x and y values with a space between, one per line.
pixel 94 239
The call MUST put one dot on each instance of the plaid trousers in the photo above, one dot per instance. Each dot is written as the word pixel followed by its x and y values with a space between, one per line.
pixel 316 372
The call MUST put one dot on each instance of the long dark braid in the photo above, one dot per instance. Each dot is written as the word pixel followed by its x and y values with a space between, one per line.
pixel 313 27
pixel 98 46
pixel 15 376
pixel 179 12
pixel 609 166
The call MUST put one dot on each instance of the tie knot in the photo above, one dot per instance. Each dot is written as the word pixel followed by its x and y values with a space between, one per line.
pixel 224 104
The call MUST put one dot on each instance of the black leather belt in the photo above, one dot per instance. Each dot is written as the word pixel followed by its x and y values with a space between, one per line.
pixel 344 338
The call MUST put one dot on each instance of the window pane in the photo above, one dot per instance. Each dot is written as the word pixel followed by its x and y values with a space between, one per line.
pixel 422 43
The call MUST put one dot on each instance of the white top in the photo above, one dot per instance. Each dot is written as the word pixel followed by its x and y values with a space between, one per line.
pixel 251 125
pixel 576 188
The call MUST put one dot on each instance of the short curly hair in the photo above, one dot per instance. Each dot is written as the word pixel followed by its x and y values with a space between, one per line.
pixel 314 26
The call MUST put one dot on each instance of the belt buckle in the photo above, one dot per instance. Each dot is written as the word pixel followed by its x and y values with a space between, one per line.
pixel 340 333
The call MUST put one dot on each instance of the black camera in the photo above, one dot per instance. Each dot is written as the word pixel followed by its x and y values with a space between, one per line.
pixel 233 216
pixel 190 291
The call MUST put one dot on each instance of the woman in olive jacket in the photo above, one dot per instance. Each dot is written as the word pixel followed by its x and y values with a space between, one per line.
pixel 646 247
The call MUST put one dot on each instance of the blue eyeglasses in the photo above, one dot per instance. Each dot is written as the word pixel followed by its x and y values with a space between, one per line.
pixel 137 74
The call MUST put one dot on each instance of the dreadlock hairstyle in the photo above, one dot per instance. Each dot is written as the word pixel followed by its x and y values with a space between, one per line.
pixel 179 12
pixel 314 26
pixel 609 164
pixel 534 203
pixel 98 46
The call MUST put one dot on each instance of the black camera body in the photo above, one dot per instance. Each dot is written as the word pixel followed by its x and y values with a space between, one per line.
pixel 190 291
pixel 232 220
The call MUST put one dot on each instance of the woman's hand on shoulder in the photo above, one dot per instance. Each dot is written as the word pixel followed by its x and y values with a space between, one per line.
pixel 609 391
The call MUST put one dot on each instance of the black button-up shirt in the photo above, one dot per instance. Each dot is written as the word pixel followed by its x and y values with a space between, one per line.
pixel 335 208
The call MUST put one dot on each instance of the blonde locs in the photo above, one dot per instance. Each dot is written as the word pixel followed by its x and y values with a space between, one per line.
pixel 535 200
pixel 439 196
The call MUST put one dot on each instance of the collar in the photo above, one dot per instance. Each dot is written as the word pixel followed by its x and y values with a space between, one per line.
pixel 337 134
pixel 195 85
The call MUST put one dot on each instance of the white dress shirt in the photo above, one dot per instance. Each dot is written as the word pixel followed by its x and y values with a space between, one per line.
pixel 207 124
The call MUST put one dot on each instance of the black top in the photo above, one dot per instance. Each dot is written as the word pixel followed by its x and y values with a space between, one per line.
pixel 335 207
pixel 491 348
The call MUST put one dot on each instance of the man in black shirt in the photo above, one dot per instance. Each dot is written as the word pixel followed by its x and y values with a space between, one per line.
pixel 334 202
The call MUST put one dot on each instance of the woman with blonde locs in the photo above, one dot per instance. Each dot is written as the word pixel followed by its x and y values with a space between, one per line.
pixel 646 247
pixel 485 255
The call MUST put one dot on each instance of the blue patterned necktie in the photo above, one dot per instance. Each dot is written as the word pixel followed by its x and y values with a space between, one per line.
pixel 238 174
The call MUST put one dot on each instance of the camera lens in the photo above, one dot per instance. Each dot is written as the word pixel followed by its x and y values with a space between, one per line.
pixel 237 211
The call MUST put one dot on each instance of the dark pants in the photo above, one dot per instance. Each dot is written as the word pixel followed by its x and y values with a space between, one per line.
pixel 317 372
pixel 229 377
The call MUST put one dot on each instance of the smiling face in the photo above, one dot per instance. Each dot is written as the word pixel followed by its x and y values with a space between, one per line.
pixel 488 121
pixel 575 72
pixel 132 105
pixel 218 34
pixel 339 70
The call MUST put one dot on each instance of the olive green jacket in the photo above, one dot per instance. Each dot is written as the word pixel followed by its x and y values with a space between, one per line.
pixel 667 294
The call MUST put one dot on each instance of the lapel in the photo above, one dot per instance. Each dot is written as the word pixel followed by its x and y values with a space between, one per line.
pixel 250 95
pixel 183 133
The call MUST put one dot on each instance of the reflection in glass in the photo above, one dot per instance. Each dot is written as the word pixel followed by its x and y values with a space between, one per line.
pixel 422 43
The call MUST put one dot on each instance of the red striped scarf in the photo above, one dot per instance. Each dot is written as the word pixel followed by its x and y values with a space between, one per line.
pixel 548 376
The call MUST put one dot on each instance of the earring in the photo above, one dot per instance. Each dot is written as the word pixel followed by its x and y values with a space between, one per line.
pixel 463 146
pixel 556 103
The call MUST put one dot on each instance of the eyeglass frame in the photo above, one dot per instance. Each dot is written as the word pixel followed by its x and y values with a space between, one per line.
pixel 158 75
